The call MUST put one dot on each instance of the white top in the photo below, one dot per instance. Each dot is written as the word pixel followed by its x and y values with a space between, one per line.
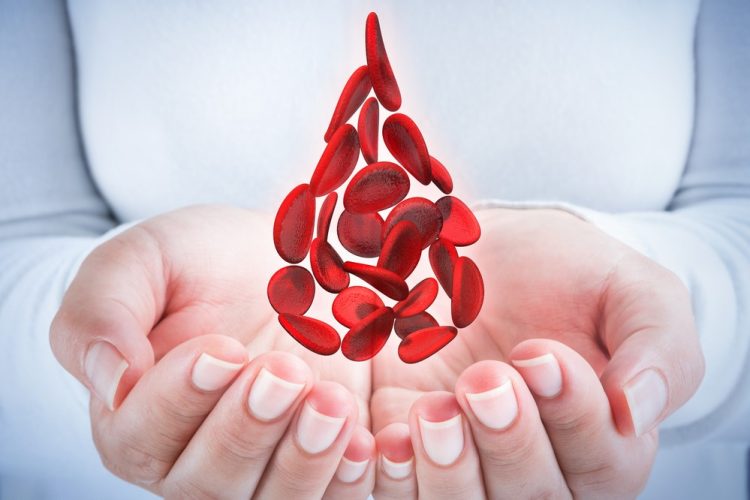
pixel 634 114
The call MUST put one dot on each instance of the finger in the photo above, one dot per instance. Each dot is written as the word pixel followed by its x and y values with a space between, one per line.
pixel 517 458
pixel 308 455
pixel 395 474
pixel 355 476
pixel 594 457
pixel 142 439
pixel 228 454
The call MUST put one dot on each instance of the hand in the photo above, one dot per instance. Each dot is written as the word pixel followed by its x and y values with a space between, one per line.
pixel 601 346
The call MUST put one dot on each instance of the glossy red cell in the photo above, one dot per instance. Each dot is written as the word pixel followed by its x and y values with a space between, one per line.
pixel 460 226
pixel 422 344
pixel 440 176
pixel 468 292
pixel 361 234
pixel 386 282
pixel 294 224
pixel 326 214
pixel 327 266
pixel 354 303
pixel 405 142
pixel 443 257
pixel 312 333
pixel 337 162
pixel 405 326
pixel 422 213
pixel 291 290
pixel 383 81
pixel 369 335
pixel 402 248
pixel 376 187
pixel 354 94
pixel 367 127
pixel 420 298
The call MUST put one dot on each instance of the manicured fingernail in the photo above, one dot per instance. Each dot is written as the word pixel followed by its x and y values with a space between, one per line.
pixel 542 374
pixel 397 470
pixel 349 471
pixel 315 431
pixel 647 396
pixel 496 408
pixel 271 396
pixel 211 374
pixel 443 441
pixel 104 367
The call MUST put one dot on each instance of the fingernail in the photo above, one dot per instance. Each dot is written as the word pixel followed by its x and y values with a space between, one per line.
pixel 496 408
pixel 271 396
pixel 211 374
pixel 104 367
pixel 349 471
pixel 315 431
pixel 443 441
pixel 646 394
pixel 542 375
pixel 397 470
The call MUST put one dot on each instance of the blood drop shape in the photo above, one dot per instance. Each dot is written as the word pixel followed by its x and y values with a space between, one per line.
pixel 354 303
pixel 354 94
pixel 291 290
pixel 443 257
pixel 327 266
pixel 376 187
pixel 468 292
pixel 337 162
pixel 385 281
pixel 294 224
pixel 422 213
pixel 420 298
pixel 367 127
pixel 460 226
pixel 326 214
pixel 312 333
pixel 361 234
pixel 405 142
pixel 402 248
pixel 366 338
pixel 405 326
pixel 422 344
pixel 383 81
pixel 440 176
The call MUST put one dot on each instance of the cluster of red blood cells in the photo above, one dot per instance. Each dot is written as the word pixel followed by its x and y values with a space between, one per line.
pixel 412 225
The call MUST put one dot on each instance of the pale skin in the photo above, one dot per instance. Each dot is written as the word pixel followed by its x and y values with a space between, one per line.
pixel 594 314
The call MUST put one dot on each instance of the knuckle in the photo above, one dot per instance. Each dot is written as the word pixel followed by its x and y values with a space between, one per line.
pixel 186 488
pixel 236 445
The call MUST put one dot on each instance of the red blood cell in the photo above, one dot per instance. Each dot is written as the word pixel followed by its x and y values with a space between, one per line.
pixel 460 226
pixel 443 257
pixel 327 266
pixel 383 82
pixel 294 224
pixel 367 127
pixel 440 176
pixel 420 298
pixel 361 234
pixel 354 303
pixel 337 162
pixel 422 344
pixel 402 248
pixel 405 142
pixel 468 292
pixel 405 326
pixel 314 334
pixel 376 187
pixel 354 94
pixel 385 281
pixel 291 290
pixel 420 211
pixel 369 335
pixel 326 214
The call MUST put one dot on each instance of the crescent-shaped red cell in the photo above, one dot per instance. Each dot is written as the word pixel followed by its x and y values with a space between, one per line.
pixel 294 224
pixel 420 298
pixel 291 290
pixel 385 281
pixel 354 303
pixel 368 336
pixel 327 266
pixel 402 248
pixel 468 292
pixel 361 234
pixel 422 213
pixel 312 333
pixel 405 142
pixel 326 214
pixel 443 257
pixel 337 162
pixel 354 94
pixel 405 326
pixel 381 74
pixel 376 187
pixel 367 127
pixel 460 226
pixel 420 345
pixel 440 176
